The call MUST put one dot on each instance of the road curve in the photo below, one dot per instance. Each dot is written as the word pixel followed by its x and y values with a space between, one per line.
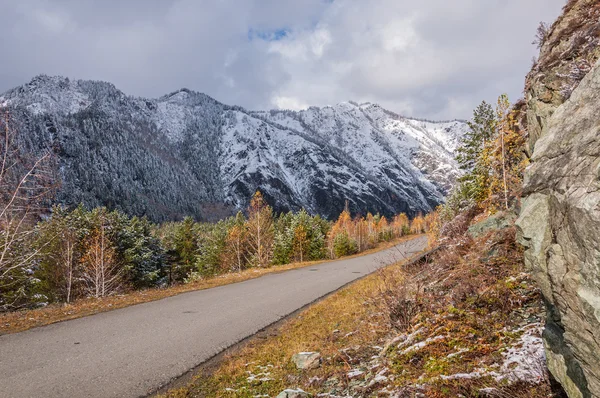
pixel 133 351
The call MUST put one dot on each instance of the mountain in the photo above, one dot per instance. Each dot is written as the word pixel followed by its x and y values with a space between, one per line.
pixel 188 154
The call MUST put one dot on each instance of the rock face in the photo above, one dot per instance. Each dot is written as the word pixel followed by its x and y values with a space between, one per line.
pixel 560 228
pixel 567 54
pixel 560 217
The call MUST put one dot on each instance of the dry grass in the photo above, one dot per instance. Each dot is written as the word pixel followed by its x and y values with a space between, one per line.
pixel 474 301
pixel 472 293
pixel 337 327
pixel 18 321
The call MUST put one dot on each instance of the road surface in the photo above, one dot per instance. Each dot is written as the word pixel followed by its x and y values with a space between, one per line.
pixel 133 351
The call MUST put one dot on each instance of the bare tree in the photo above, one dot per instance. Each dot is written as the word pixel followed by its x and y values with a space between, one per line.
pixel 541 34
pixel 101 273
pixel 26 182
pixel 234 249
pixel 67 262
pixel 260 231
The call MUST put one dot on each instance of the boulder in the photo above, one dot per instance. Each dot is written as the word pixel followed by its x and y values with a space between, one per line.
pixel 559 226
pixel 494 222
pixel 291 393
pixel 307 360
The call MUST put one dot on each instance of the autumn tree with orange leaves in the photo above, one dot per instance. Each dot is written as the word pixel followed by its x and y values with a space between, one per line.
pixel 101 272
pixel 260 231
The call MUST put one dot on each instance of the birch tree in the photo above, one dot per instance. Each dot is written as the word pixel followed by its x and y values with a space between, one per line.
pixel 236 243
pixel 59 238
pixel 260 231
pixel 25 184
pixel 101 272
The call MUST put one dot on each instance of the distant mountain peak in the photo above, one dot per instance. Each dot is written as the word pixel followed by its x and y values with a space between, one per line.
pixel 185 153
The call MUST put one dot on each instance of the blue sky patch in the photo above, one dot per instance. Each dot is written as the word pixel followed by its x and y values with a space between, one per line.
pixel 268 34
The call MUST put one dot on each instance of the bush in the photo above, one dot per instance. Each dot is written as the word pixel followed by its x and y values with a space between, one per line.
pixel 343 245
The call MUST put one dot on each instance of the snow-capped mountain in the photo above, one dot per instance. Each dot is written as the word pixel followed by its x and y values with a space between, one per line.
pixel 187 154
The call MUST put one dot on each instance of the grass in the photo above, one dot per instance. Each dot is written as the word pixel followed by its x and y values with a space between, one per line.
pixel 18 321
pixel 421 326
pixel 345 319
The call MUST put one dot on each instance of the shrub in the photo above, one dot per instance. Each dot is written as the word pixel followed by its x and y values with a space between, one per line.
pixel 343 245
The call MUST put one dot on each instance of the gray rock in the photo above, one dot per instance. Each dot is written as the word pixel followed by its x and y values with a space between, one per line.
pixel 495 222
pixel 290 393
pixel 551 79
pixel 307 360
pixel 559 225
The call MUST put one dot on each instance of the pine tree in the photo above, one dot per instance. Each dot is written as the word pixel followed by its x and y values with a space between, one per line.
pixel 471 156
pixel 318 231
pixel 212 256
pixel 185 250
pixel 343 245
pixel 283 241
pixel 141 252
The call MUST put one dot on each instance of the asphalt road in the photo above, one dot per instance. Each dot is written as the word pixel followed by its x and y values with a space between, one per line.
pixel 133 351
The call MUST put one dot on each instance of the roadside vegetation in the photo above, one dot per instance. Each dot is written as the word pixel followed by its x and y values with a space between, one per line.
pixel 80 261
pixel 21 320
pixel 464 321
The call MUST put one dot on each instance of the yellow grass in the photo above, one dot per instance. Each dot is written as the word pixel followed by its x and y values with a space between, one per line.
pixel 19 321
pixel 345 319
pixel 350 327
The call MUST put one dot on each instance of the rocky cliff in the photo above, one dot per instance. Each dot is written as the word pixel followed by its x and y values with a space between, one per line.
pixel 560 216
pixel 568 49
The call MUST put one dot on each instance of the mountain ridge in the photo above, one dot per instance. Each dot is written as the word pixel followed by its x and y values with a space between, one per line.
pixel 186 153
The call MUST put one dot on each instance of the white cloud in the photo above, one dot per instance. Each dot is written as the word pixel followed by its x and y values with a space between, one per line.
pixel 433 58
pixel 289 103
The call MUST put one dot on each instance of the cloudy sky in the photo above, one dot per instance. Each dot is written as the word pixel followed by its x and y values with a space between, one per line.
pixel 427 58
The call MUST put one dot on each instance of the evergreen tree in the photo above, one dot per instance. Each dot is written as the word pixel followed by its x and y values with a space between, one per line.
pixel 59 241
pixel 482 129
pixel 143 254
pixel 318 233
pixel 343 245
pixel 212 251
pixel 184 249
pixel 283 242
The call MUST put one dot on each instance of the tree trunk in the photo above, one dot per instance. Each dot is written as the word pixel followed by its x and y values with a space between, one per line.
pixel 504 172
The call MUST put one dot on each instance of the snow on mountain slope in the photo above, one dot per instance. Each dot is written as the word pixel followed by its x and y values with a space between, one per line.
pixel 396 151
pixel 185 153
pixel 293 171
